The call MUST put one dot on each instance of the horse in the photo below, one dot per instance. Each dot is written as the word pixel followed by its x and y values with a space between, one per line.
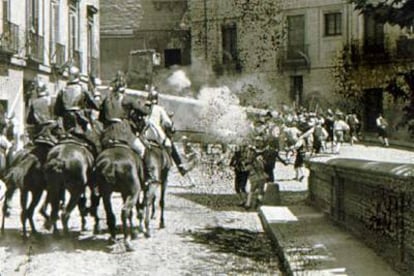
pixel 119 169
pixel 26 174
pixel 159 162
pixel 68 167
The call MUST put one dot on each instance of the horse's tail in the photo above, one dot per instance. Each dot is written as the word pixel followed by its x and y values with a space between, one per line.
pixel 15 175
pixel 55 165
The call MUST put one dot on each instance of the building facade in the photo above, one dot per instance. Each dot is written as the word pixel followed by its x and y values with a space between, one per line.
pixel 297 45
pixel 37 38
pixel 129 25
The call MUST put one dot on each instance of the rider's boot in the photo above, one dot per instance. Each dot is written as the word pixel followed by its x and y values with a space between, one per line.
pixel 140 149
pixel 178 160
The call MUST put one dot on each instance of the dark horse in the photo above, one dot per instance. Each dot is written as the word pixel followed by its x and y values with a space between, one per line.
pixel 118 169
pixel 159 165
pixel 26 174
pixel 68 167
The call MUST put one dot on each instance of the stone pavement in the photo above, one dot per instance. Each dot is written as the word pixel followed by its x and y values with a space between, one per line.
pixel 308 242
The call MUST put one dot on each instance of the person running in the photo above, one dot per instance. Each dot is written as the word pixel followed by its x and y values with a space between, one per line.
pixel 241 172
pixel 382 128
pixel 353 122
pixel 339 128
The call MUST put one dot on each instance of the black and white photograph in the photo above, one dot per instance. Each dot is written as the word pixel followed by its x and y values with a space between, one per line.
pixel 206 137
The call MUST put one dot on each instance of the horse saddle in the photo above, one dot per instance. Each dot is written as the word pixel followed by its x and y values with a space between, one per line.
pixel 117 143
pixel 70 139
pixel 44 140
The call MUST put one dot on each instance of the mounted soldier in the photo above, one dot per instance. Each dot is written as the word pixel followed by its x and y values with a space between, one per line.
pixel 160 129
pixel 72 105
pixel 115 115
pixel 41 116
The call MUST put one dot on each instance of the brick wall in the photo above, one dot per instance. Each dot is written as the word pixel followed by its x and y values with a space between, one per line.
pixel 121 16
pixel 373 200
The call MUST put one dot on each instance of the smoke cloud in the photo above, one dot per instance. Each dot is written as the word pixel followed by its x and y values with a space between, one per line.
pixel 221 115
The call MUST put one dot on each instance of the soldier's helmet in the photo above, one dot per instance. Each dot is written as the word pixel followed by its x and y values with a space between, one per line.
pixel 40 88
pixel 119 82
pixel 152 97
pixel 74 74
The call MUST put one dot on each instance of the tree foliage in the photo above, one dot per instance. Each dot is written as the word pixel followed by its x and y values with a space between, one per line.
pixel 394 12
pixel 401 84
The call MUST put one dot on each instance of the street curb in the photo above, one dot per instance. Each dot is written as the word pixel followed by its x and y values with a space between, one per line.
pixel 308 243
pixel 284 263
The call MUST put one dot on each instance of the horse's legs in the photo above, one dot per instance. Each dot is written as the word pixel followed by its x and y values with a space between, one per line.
pixel 36 195
pixel 5 212
pixel 162 199
pixel 43 210
pixel 53 197
pixel 110 217
pixel 83 210
pixel 7 200
pixel 131 225
pixel 129 204
pixel 140 212
pixel 150 206
pixel 73 201
pixel 94 211
pixel 23 214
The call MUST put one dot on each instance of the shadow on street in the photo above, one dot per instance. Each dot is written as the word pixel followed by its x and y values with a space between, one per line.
pixel 243 243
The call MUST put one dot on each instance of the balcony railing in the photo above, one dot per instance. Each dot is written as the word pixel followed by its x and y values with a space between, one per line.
pixel 9 39
pixel 57 57
pixel 370 51
pixel 293 57
pixel 35 47
pixel 60 53
pixel 93 66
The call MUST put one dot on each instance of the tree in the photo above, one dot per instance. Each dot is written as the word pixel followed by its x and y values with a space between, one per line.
pixel 401 84
pixel 394 12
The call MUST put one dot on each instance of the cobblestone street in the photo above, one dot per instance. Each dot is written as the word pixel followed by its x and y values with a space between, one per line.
pixel 206 234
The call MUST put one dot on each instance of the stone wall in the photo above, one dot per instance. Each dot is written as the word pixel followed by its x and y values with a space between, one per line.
pixel 373 200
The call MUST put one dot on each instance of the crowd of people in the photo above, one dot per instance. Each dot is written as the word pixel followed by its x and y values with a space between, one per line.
pixel 290 137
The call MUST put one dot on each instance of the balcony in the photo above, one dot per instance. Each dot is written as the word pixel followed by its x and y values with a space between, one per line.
pixel 9 39
pixel 370 51
pixel 93 66
pixel 35 47
pixel 294 57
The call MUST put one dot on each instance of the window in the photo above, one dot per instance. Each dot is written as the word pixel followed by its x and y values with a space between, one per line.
pixel 229 43
pixel 296 36
pixel 374 36
pixel 73 30
pixel 34 16
pixel 5 13
pixel 333 24
pixel 91 47
pixel 54 29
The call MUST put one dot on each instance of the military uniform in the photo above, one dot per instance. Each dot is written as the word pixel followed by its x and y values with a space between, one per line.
pixel 114 115
pixel 41 117
pixel 71 103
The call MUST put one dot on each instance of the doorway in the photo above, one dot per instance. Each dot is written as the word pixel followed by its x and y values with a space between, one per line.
pixel 172 57
pixel 372 107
